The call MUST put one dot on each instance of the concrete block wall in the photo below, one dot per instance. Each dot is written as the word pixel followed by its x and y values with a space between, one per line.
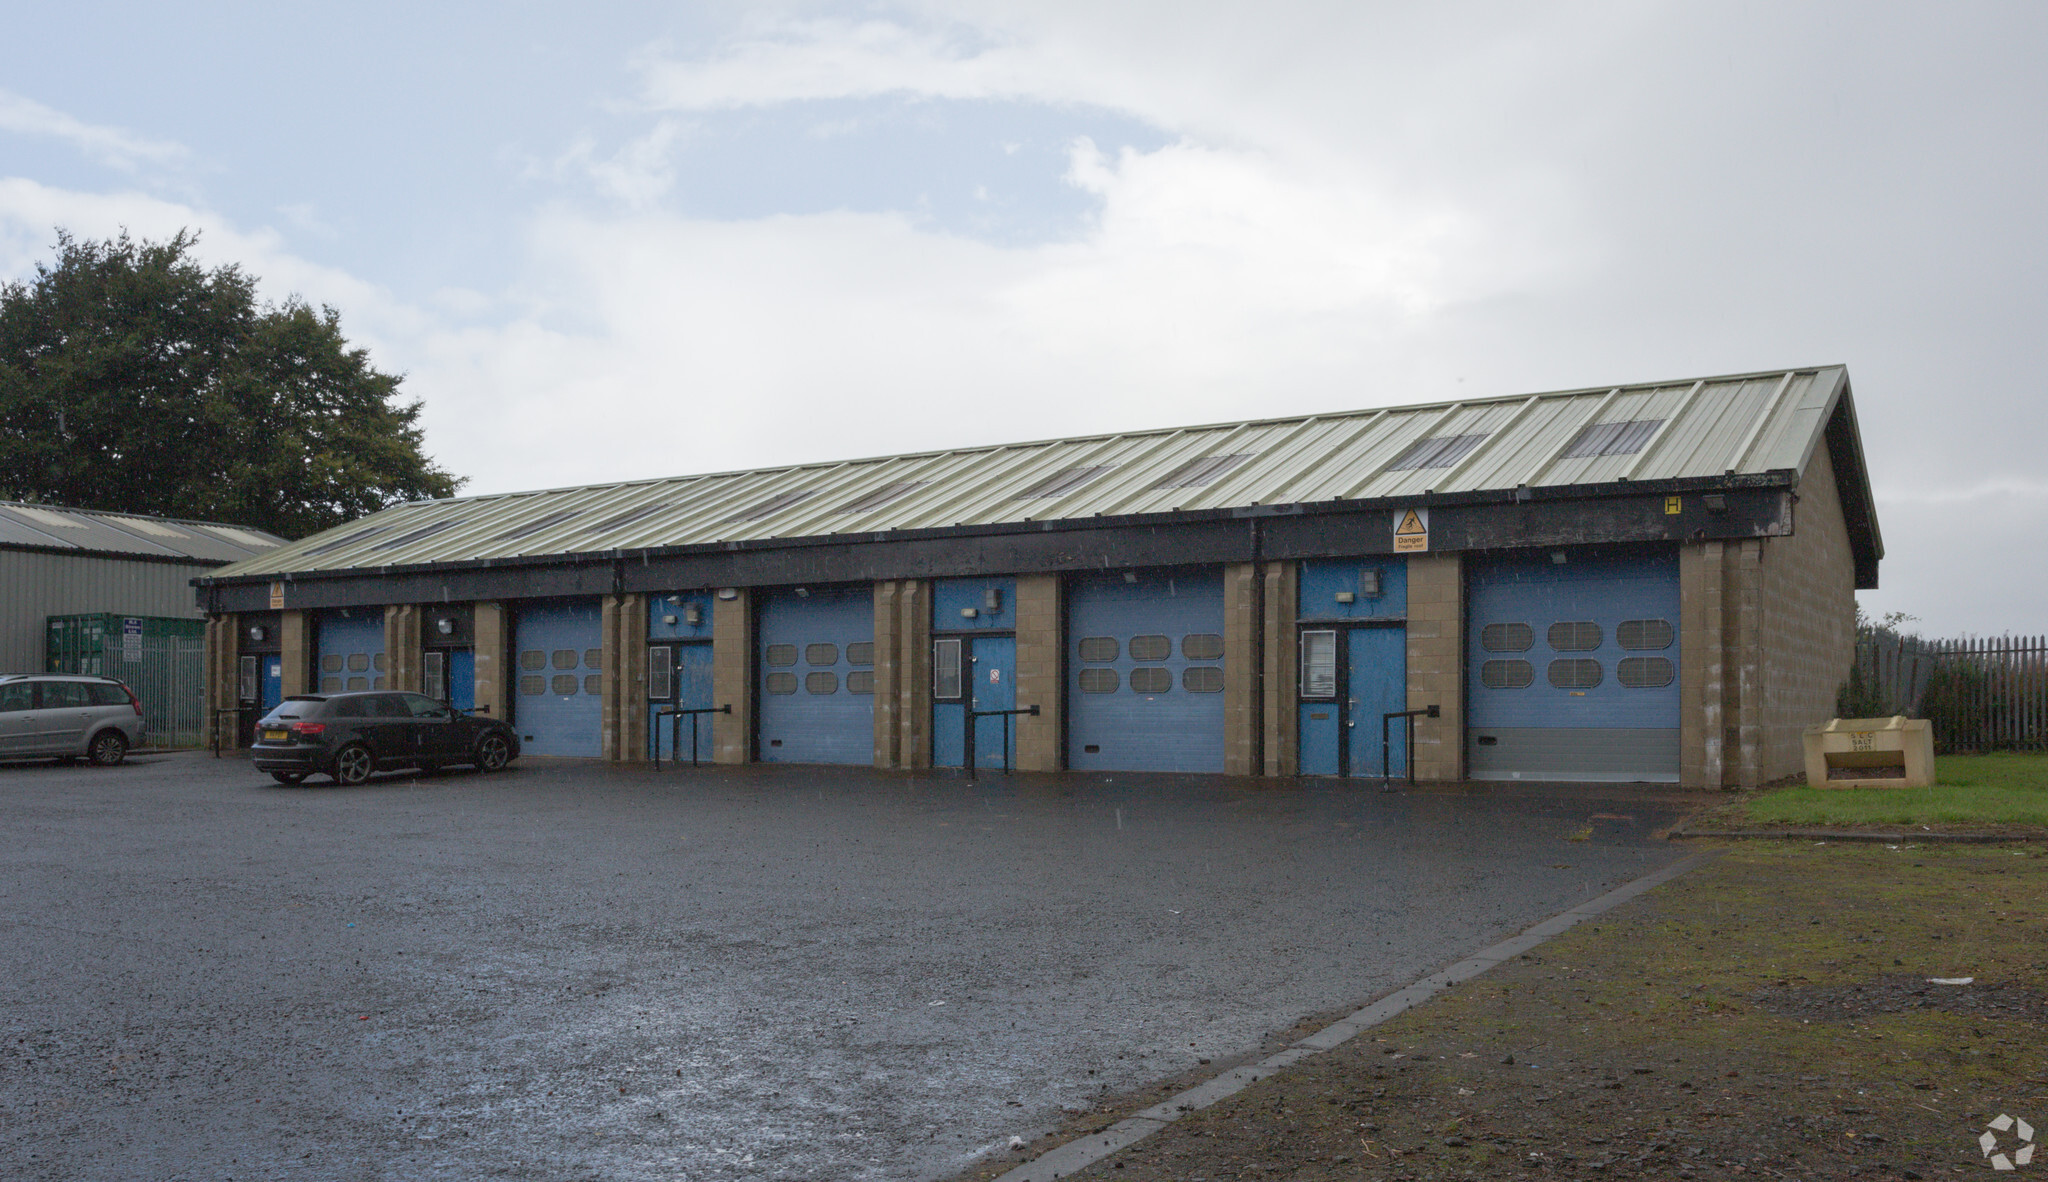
pixel 1280 656
pixel 732 678
pixel 1436 663
pixel 223 673
pixel 1243 670
pixel 1742 634
pixel 1702 664
pixel 1041 672
pixel 1808 638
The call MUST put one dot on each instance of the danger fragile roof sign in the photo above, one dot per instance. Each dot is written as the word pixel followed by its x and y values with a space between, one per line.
pixel 1411 531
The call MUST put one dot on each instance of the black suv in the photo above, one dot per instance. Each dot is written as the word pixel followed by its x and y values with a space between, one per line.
pixel 349 736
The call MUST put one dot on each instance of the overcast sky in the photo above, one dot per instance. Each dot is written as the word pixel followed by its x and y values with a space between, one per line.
pixel 674 238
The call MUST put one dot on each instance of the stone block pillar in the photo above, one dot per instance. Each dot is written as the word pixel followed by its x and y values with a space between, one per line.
pixel 1243 669
pixel 1701 736
pixel 623 683
pixel 402 654
pixel 1041 672
pixel 903 680
pixel 732 678
pixel 495 677
pixel 296 640
pixel 223 674
pixel 1282 682
pixel 1436 663
pixel 1744 630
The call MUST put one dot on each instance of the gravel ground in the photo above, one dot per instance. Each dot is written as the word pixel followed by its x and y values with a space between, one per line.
pixel 574 971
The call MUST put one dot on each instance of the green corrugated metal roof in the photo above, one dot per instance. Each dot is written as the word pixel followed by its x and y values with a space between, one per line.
pixel 59 527
pixel 1744 424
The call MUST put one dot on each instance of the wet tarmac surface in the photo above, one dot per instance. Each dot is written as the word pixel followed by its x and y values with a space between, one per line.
pixel 574 971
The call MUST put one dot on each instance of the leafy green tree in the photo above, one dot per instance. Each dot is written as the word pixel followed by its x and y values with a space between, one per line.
pixel 134 379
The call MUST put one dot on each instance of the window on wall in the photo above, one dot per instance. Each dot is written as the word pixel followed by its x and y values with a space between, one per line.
pixel 330 663
pixel 1202 679
pixel 821 682
pixel 1202 646
pixel 860 681
pixel 781 683
pixel 593 658
pixel 564 685
pixel 563 658
pixel 781 655
pixel 1319 664
pixel 821 654
pixel 434 675
pixel 533 660
pixel 860 652
pixel 1151 679
pixel 946 679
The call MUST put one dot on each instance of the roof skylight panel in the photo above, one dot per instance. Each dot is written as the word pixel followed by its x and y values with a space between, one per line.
pixel 637 513
pixel 1439 451
pixel 1612 439
pixel 883 496
pixel 361 535
pixel 1202 472
pixel 529 528
pixel 411 536
pixel 45 517
pixel 1062 482
pixel 774 505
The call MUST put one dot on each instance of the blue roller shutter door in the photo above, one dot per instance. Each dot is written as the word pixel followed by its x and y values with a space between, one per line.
pixel 558 675
pixel 1573 668
pixel 816 676
pixel 351 652
pixel 1145 672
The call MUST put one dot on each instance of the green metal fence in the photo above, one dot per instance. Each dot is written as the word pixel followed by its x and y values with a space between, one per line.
pixel 162 659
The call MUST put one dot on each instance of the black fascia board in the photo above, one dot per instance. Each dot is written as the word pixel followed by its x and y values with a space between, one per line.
pixel 1625 511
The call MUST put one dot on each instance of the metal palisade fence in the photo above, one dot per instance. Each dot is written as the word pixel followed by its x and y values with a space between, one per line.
pixel 1981 693
pixel 163 661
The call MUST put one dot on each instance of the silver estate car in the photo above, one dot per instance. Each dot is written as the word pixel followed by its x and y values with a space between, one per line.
pixel 45 715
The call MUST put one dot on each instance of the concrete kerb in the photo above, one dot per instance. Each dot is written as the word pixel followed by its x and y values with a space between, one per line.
pixel 1077 1155
pixel 1683 834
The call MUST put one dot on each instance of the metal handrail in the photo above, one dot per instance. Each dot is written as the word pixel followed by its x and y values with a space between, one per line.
pixel 1386 743
pixel 675 726
pixel 218 712
pixel 1005 715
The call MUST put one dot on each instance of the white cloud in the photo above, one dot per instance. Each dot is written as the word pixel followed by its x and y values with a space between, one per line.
pixel 108 145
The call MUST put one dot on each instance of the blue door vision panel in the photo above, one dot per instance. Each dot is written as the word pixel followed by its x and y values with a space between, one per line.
pixel 817 676
pixel 351 651
pixel 1573 668
pixel 1145 672
pixel 559 706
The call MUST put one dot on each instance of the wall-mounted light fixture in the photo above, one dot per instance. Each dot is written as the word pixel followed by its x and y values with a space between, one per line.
pixel 1346 597
pixel 1715 502
pixel 693 615
pixel 992 600
pixel 968 613
pixel 803 592
pixel 1130 576
pixel 257 632
pixel 668 619
pixel 1557 556
pixel 445 626
pixel 675 599
pixel 1369 582
pixel 728 592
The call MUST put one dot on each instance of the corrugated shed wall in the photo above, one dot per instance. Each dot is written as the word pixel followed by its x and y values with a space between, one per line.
pixel 34 586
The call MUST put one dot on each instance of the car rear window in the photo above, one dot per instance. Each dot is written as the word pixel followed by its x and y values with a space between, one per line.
pixel 109 695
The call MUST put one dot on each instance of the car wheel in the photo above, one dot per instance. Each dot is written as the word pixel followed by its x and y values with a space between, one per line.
pixel 288 777
pixel 492 753
pixel 353 764
pixel 107 748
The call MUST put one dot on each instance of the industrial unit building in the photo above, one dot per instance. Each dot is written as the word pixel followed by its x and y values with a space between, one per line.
pixel 1638 583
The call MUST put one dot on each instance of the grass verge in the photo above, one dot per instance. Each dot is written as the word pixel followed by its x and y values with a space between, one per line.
pixel 2008 788
pixel 1769 1015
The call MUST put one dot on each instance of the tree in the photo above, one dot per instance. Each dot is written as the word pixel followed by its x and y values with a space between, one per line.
pixel 133 379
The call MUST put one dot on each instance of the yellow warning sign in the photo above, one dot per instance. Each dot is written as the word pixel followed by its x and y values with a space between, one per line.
pixel 276 595
pixel 1411 530
pixel 1671 506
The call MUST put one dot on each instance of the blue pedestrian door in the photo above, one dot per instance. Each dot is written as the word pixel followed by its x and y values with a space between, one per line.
pixel 1351 678
pixel 559 709
pixel 678 678
pixel 450 676
pixel 978 672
